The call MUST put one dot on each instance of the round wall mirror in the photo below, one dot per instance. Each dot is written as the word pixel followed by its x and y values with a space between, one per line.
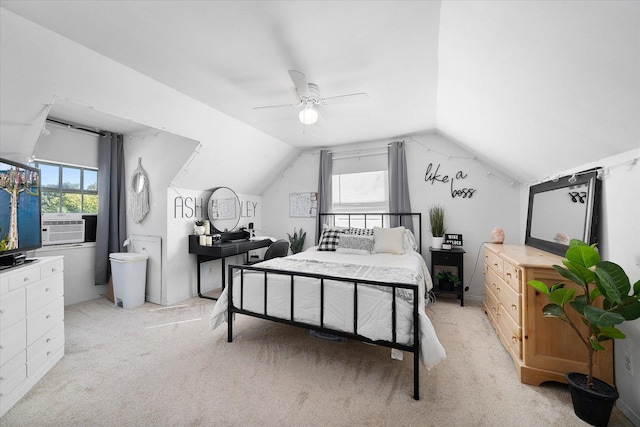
pixel 224 209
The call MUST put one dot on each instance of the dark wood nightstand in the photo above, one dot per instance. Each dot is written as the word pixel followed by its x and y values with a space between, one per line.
pixel 444 260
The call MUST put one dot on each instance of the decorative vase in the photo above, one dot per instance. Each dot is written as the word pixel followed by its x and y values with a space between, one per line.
pixel 591 405
pixel 437 242
pixel 199 229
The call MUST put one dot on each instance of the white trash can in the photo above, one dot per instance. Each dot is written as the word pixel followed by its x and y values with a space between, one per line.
pixel 129 273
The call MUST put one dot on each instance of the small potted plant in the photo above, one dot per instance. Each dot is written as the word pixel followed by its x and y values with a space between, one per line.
pixel 446 280
pixel 596 280
pixel 297 240
pixel 199 227
pixel 436 219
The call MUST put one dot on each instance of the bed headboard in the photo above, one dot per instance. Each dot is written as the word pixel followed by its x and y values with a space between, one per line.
pixel 370 220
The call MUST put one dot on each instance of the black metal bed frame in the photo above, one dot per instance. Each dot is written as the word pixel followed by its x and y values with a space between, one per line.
pixel 414 348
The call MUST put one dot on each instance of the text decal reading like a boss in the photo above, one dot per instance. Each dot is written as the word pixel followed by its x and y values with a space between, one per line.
pixel 456 189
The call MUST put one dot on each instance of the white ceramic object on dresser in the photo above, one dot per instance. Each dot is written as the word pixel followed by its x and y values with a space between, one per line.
pixel 31 326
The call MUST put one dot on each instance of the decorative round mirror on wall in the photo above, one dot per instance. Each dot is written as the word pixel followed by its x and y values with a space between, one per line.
pixel 224 209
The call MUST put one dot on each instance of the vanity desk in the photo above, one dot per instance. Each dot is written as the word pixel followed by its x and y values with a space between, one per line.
pixel 220 250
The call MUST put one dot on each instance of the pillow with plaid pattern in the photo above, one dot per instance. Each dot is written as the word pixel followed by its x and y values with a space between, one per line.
pixel 359 231
pixel 329 240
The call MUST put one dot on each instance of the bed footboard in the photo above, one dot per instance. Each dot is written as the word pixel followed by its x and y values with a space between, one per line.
pixel 321 326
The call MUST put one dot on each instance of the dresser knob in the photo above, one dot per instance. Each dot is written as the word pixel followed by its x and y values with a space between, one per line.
pixel 47 289
pixel 48 340
pixel 514 307
pixel 48 316
pixel 48 353
pixel 26 279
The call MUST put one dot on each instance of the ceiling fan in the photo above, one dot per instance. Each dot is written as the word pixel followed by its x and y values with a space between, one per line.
pixel 309 98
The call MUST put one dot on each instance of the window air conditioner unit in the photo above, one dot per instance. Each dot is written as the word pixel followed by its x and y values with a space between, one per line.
pixel 62 228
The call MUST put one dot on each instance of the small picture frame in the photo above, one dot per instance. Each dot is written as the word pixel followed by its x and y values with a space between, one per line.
pixel 455 240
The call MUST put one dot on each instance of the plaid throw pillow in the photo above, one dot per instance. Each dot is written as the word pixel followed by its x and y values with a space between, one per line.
pixel 329 240
pixel 359 231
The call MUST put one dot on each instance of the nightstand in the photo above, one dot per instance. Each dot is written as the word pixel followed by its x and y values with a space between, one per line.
pixel 448 260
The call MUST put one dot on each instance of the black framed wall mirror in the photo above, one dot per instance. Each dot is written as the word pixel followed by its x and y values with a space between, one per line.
pixel 224 209
pixel 564 209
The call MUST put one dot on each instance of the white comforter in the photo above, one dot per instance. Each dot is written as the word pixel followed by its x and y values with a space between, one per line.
pixel 374 307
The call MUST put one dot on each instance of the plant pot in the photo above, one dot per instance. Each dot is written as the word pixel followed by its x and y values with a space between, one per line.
pixel 446 285
pixel 199 229
pixel 592 406
pixel 437 242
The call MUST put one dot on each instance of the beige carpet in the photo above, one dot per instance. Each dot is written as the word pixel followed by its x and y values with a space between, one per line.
pixel 155 366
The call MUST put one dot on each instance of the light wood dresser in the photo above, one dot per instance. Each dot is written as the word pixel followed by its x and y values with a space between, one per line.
pixel 542 349
pixel 31 326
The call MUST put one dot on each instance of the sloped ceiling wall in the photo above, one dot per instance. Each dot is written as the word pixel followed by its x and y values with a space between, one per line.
pixel 540 87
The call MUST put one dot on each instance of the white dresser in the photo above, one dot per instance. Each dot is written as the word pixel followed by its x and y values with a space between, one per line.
pixel 31 326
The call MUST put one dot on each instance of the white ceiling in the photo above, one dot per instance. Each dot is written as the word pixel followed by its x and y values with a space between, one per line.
pixel 534 87
pixel 234 56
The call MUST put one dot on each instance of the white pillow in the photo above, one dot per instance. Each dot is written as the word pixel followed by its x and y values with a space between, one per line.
pixel 361 245
pixel 410 244
pixel 388 240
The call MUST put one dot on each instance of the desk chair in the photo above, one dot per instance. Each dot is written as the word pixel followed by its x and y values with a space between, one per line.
pixel 279 248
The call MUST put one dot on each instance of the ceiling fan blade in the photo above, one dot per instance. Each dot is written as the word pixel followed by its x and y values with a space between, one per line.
pixel 343 99
pixel 300 81
pixel 276 106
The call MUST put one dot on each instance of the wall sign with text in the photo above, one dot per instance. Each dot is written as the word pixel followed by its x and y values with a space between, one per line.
pixel 456 186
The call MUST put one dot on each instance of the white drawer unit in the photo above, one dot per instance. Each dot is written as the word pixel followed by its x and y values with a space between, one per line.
pixel 31 325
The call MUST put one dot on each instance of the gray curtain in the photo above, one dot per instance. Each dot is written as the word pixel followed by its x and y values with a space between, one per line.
pixel 111 226
pixel 324 190
pixel 399 186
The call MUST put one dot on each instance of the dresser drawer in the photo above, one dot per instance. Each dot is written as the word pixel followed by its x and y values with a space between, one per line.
pixel 494 262
pixel 510 302
pixel 12 378
pixel 12 341
pixel 493 281
pixel 51 268
pixel 44 319
pixel 12 308
pixel 512 276
pixel 23 277
pixel 44 292
pixel 46 340
pixel 46 356
pixel 511 331
pixel 490 302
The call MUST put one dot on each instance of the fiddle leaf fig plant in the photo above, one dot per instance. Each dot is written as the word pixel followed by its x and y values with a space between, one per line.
pixel 595 278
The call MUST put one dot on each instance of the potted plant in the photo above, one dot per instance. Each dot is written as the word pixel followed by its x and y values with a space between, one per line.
pixel 436 219
pixel 297 240
pixel 596 280
pixel 446 280
pixel 198 227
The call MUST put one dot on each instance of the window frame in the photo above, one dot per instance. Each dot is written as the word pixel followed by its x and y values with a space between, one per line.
pixel 60 190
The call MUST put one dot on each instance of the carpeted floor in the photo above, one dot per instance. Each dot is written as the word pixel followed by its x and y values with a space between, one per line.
pixel 163 366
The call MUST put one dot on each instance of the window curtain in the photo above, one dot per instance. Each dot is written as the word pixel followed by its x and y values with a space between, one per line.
pixel 324 190
pixel 399 186
pixel 111 224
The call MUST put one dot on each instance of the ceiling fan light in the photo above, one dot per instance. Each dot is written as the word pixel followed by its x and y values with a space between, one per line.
pixel 308 115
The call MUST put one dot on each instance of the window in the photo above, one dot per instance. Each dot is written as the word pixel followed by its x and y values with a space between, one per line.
pixel 360 192
pixel 68 189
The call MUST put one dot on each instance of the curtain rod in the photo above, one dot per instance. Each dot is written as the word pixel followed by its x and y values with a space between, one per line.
pixel 69 125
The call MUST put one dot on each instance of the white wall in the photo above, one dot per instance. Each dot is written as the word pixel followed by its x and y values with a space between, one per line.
pixel 619 243
pixel 494 201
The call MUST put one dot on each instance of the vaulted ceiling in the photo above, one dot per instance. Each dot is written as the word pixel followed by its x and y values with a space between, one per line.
pixel 536 87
